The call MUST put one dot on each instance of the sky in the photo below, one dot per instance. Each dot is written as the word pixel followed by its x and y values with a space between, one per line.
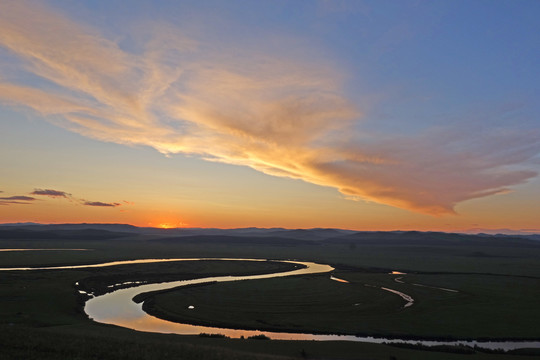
pixel 366 115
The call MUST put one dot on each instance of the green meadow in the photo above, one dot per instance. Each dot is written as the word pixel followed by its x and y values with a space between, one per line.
pixel 498 284
pixel 484 308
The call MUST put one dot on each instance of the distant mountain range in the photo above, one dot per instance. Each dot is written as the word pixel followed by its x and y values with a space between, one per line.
pixel 316 234
pixel 502 231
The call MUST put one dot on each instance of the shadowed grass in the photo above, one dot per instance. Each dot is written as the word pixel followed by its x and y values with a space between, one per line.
pixel 484 307
pixel 48 322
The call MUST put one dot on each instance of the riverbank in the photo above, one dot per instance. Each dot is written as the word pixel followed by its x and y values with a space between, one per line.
pixel 318 305
pixel 505 300
pixel 93 341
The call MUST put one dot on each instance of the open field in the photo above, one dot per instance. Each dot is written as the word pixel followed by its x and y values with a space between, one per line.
pixel 42 318
pixel 91 341
pixel 484 307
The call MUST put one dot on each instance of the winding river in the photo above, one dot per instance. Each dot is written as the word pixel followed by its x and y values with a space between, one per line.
pixel 118 308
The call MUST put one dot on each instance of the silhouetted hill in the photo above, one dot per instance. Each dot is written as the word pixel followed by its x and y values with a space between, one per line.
pixel 83 234
pixel 82 226
pixel 418 238
pixel 302 234
pixel 224 239
pixel 309 234
pixel 256 235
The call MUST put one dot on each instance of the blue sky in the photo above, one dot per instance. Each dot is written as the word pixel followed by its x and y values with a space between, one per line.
pixel 272 113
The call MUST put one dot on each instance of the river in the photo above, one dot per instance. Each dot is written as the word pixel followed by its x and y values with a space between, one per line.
pixel 118 308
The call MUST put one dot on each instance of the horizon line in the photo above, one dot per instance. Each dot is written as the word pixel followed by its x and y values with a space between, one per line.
pixel 471 231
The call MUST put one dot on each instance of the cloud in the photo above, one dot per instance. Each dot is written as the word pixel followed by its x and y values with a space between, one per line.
pixel 18 200
pixel 102 204
pixel 25 200
pixel 18 197
pixel 50 193
pixel 63 194
pixel 270 109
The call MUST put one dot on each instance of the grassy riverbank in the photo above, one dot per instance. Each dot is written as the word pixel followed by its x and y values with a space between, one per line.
pixel 485 307
pixel 41 313
pixel 94 341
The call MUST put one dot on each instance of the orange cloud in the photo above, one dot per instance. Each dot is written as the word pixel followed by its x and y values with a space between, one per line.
pixel 282 115
pixel 100 204
pixel 51 193
pixel 17 199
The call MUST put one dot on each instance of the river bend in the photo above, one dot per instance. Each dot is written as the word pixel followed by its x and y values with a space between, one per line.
pixel 118 308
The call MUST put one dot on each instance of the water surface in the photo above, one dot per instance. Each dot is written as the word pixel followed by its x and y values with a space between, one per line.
pixel 118 308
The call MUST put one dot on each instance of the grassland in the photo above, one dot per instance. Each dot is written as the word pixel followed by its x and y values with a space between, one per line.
pixel 41 313
pixel 485 307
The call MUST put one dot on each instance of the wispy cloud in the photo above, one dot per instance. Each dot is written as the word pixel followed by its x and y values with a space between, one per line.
pixel 51 193
pixel 18 197
pixel 99 203
pixel 62 194
pixel 25 200
pixel 16 200
pixel 282 115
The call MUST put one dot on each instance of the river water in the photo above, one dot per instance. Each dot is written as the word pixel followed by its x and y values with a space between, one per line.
pixel 118 308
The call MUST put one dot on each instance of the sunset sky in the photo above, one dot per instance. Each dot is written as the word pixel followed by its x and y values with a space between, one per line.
pixel 367 115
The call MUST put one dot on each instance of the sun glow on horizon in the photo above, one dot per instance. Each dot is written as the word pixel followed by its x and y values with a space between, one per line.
pixel 170 225
pixel 286 126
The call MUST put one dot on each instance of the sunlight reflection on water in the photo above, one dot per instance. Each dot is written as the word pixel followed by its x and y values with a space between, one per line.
pixel 117 308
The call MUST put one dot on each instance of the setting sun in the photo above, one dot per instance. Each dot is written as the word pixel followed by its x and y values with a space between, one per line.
pixel 337 134
pixel 169 225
